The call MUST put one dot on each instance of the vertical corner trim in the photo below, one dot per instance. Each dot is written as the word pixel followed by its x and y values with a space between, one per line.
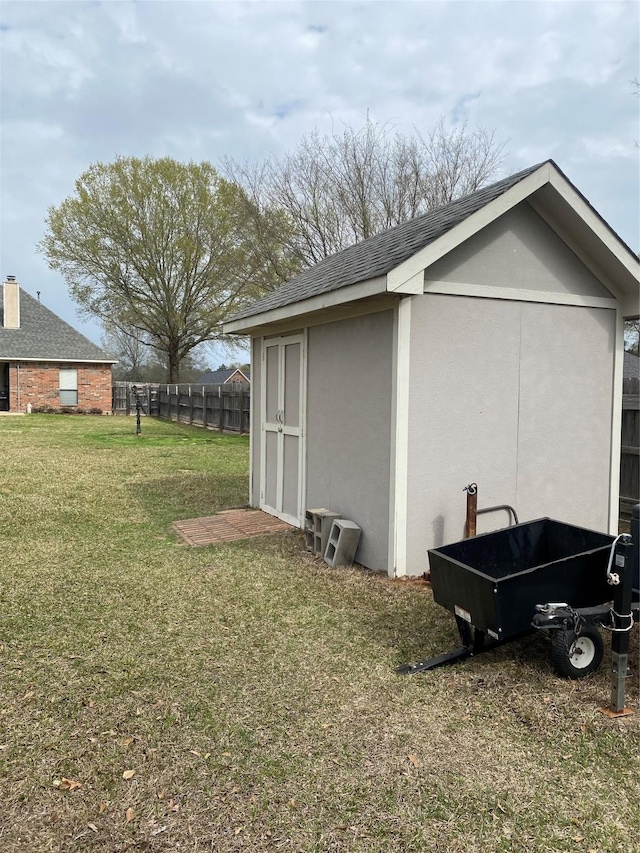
pixel 401 479
pixel 616 426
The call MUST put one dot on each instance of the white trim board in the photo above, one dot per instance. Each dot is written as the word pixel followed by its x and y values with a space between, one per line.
pixel 516 294
pixel 616 426
pixel 398 533
pixel 588 215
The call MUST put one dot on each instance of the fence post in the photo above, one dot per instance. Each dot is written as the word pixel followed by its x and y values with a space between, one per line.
pixel 221 419
pixel 190 407
pixel 241 406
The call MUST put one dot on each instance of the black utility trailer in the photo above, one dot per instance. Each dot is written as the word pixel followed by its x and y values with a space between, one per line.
pixel 542 574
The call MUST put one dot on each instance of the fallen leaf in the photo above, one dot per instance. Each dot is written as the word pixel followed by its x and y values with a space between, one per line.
pixel 129 815
pixel 126 742
pixel 101 808
pixel 92 827
pixel 194 752
pixel 160 794
pixel 128 774
pixel 65 784
pixel 578 838
pixel 158 830
pixel 414 760
pixel 292 803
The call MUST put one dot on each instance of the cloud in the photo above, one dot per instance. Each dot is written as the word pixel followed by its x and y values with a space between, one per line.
pixel 85 81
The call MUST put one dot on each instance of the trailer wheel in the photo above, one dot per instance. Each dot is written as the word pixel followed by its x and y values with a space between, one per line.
pixel 573 655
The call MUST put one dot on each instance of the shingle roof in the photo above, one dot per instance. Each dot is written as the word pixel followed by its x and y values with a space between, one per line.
pixel 381 253
pixel 218 377
pixel 631 366
pixel 44 335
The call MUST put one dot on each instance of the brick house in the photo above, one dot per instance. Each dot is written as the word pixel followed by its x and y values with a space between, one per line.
pixel 44 361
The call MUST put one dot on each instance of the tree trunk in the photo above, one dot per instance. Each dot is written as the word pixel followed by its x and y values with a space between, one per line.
pixel 174 364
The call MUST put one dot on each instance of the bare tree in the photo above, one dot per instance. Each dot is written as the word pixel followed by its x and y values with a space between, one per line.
pixel 336 190
pixel 128 346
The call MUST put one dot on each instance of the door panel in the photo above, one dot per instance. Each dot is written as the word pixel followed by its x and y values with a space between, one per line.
pixel 271 383
pixel 290 475
pixel 292 358
pixel 270 488
pixel 282 395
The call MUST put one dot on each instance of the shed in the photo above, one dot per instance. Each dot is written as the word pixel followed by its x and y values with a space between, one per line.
pixel 480 342
pixel 46 362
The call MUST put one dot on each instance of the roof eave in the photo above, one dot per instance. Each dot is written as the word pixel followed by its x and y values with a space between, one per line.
pixel 54 360
pixel 334 298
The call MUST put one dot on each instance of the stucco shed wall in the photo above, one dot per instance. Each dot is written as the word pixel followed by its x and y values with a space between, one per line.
pixel 518 250
pixel 516 396
pixel 349 402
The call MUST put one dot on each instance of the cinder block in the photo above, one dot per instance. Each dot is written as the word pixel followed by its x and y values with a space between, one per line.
pixel 317 526
pixel 343 543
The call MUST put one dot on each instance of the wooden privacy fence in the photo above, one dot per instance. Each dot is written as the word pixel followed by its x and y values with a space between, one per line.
pixel 123 397
pixel 223 407
pixel 629 468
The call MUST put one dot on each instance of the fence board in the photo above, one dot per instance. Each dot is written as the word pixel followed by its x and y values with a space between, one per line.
pixel 630 451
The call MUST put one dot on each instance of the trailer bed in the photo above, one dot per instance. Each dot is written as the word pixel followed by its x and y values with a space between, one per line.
pixel 494 581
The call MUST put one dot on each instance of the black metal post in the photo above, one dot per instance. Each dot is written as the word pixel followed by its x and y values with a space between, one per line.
pixel 622 620
pixel 138 410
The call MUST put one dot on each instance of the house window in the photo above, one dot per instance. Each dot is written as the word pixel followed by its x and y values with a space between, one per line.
pixel 69 387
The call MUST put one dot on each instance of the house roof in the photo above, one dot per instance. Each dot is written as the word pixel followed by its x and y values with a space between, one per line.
pixel 393 251
pixel 43 336
pixel 631 366
pixel 219 377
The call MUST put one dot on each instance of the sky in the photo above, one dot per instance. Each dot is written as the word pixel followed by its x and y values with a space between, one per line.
pixel 85 81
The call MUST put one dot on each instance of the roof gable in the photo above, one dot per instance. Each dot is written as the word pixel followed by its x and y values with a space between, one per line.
pixel 381 253
pixel 395 260
pixel 43 336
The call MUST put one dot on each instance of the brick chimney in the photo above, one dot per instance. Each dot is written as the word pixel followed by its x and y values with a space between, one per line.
pixel 11 303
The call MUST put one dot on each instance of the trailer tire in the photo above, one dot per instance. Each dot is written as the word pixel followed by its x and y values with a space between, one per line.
pixel 577 655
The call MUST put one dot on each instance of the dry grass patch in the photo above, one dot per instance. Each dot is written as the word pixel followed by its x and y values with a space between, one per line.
pixel 251 690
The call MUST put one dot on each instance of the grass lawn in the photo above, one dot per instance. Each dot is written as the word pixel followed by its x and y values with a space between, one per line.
pixel 159 697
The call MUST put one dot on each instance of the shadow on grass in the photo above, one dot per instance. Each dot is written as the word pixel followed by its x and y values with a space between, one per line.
pixel 190 494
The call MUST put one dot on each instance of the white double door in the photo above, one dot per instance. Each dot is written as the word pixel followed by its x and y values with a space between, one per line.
pixel 282 475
